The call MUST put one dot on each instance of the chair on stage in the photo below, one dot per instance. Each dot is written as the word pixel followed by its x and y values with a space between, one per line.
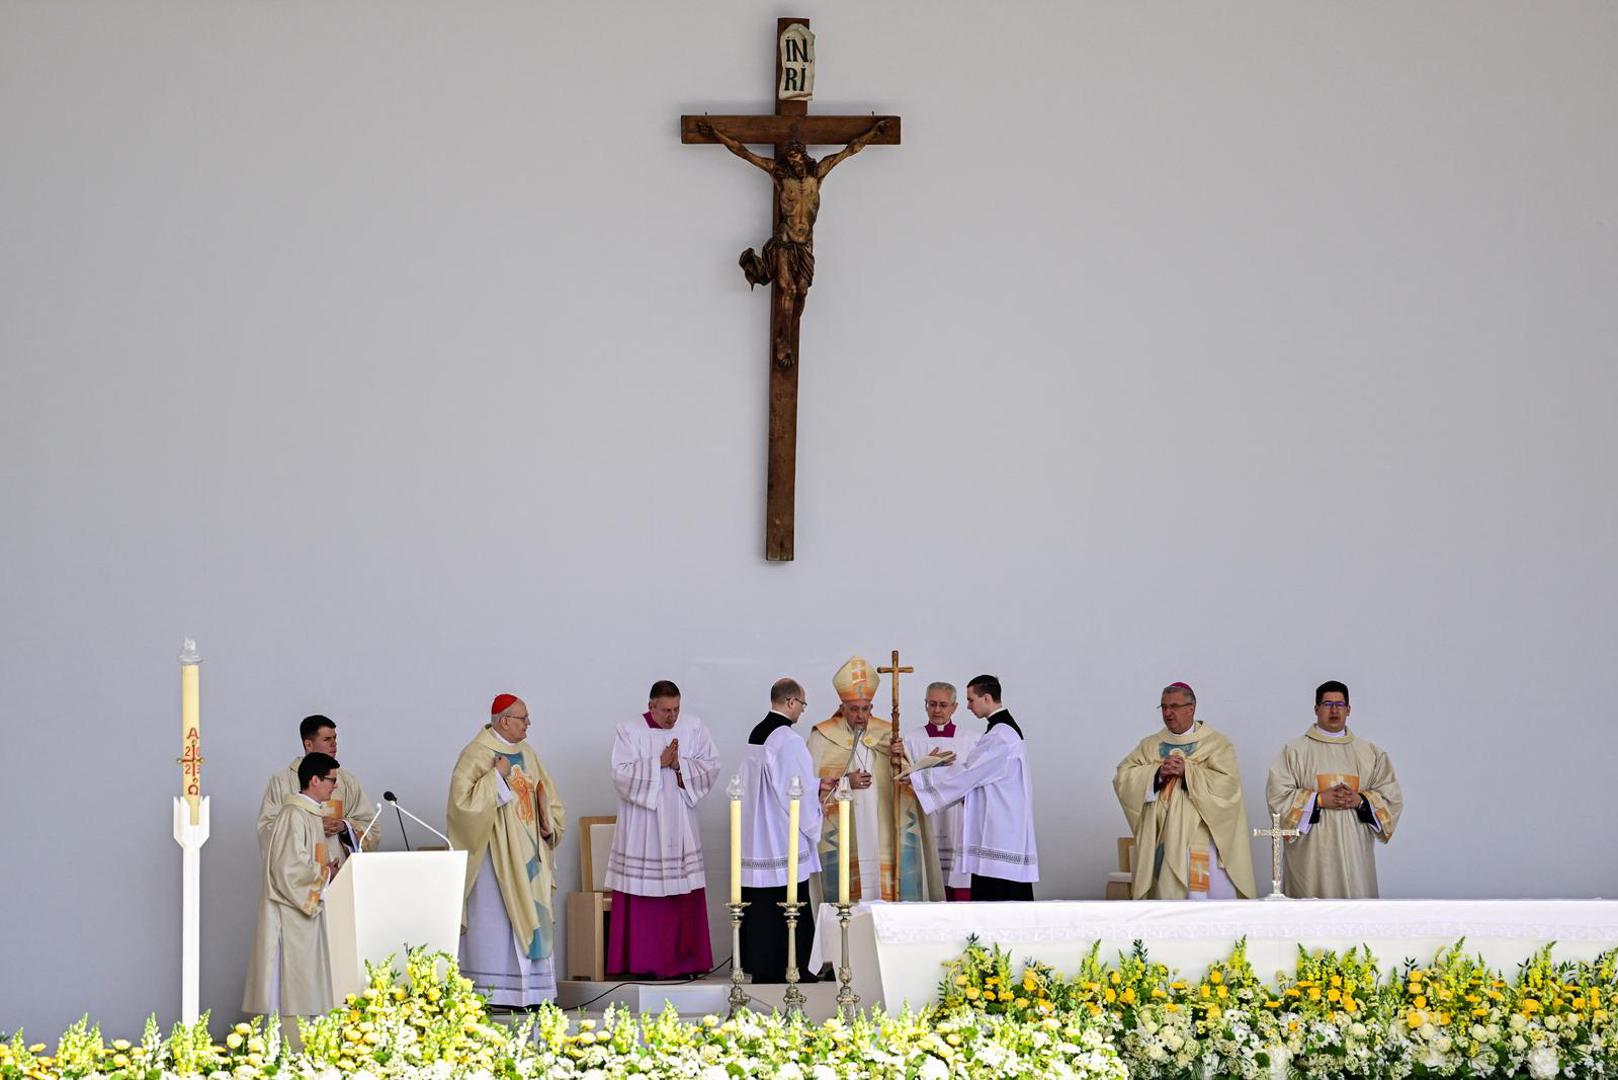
pixel 1121 881
pixel 589 909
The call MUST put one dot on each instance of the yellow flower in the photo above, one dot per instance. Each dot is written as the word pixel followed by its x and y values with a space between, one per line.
pixel 1350 1005
pixel 1021 1003
pixel 1272 1004
pixel 1006 995
pixel 1314 993
pixel 1334 995
pixel 1114 978
pixel 1414 1020
pixel 971 993
pixel 1215 977
pixel 960 980
pixel 1111 995
pixel 1420 1002
pixel 1128 996
pixel 1171 1007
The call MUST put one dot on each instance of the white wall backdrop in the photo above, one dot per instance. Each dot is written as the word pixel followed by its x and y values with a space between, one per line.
pixel 397 351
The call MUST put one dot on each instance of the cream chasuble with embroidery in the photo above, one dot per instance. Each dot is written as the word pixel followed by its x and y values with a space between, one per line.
pixel 1185 828
pixel 508 834
pixel 1336 855
pixel 835 752
pixel 347 801
pixel 288 971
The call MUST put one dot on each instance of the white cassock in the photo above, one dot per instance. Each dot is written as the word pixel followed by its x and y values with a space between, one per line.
pixel 776 755
pixel 657 846
pixel 997 819
pixel 767 773
pixel 946 823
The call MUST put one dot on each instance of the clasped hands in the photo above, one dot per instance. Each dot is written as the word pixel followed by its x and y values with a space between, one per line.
pixel 1173 766
pixel 1339 797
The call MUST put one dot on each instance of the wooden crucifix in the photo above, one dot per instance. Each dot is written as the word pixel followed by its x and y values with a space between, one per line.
pixel 787 263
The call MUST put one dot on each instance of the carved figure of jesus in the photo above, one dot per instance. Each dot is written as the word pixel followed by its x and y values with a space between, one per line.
pixel 788 259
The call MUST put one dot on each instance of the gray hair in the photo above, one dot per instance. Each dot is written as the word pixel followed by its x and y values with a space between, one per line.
pixel 1191 695
pixel 943 686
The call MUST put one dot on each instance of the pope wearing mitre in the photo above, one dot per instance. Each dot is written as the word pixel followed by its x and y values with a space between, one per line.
pixel 853 743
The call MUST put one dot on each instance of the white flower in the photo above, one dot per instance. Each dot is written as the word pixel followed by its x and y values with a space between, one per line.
pixel 823 1072
pixel 932 1069
pixel 789 1071
pixel 1542 1063
pixel 714 1072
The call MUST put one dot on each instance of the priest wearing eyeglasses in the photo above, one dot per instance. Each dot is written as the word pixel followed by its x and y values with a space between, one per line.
pixel 1181 791
pixel 1340 792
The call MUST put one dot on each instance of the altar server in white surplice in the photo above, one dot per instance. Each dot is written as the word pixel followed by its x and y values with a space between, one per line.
pixel 1339 791
pixel 940 735
pixel 996 848
pixel 663 763
pixel 776 756
pixel 288 971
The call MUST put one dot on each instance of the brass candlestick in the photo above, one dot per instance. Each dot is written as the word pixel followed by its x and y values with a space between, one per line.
pixel 847 1000
pixel 793 999
pixel 738 996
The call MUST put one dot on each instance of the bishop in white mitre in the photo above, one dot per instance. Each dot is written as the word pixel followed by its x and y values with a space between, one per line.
pixel 941 737
pixel 776 757
pixel 1339 791
pixel 288 971
pixel 663 764
pixel 996 849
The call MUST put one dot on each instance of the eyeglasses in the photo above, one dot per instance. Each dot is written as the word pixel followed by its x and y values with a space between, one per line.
pixel 801 701
pixel 1332 705
pixel 1176 708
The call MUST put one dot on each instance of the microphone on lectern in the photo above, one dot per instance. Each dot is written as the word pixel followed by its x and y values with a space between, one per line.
pixel 388 796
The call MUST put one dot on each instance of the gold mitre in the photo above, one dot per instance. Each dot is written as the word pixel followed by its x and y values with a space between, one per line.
pixel 856 680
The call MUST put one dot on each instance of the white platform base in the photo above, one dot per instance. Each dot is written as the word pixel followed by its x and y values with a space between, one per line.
pixel 692 999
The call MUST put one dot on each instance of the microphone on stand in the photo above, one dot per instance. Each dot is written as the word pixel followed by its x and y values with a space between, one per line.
pixel 389 797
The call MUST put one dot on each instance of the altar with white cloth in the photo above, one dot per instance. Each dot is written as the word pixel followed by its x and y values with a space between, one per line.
pixel 899 950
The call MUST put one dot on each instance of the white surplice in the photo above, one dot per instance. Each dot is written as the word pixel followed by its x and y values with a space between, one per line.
pixel 657 846
pixel 767 772
pixel 997 815
pixel 946 823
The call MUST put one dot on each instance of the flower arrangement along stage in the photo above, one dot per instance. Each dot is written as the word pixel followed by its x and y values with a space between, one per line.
pixel 1336 1016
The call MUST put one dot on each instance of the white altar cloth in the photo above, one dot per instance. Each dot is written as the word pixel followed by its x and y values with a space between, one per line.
pixel 899 950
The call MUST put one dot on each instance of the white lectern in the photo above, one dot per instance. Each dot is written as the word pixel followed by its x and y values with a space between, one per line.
pixel 384 903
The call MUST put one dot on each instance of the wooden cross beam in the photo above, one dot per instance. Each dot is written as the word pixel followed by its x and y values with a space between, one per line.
pixel 787 261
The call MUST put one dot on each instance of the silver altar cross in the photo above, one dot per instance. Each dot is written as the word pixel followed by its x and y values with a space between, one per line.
pixel 1276 835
